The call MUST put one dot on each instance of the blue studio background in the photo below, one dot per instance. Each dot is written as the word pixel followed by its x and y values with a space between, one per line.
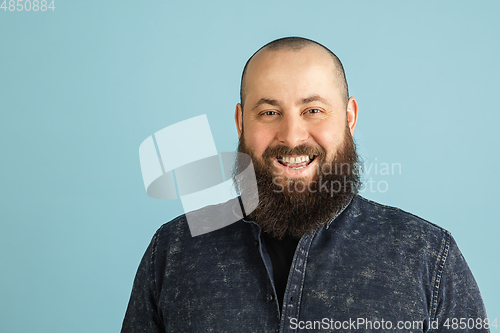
pixel 82 86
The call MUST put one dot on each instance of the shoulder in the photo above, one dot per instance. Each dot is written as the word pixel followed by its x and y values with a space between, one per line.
pixel 175 251
pixel 210 224
pixel 394 217
pixel 396 230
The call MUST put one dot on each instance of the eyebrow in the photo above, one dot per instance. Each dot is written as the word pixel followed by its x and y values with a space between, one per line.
pixel 314 98
pixel 273 102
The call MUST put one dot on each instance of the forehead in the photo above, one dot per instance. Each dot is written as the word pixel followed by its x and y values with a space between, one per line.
pixel 310 70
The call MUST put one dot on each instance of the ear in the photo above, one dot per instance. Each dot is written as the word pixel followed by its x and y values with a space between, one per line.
pixel 352 114
pixel 238 118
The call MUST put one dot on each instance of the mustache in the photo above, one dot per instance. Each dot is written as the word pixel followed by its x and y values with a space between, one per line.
pixel 304 149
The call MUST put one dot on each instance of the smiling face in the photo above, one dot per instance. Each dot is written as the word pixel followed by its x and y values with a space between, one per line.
pixel 297 126
pixel 294 111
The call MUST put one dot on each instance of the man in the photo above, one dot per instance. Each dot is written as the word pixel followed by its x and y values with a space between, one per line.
pixel 313 255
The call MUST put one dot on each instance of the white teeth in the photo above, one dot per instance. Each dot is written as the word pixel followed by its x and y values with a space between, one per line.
pixel 298 159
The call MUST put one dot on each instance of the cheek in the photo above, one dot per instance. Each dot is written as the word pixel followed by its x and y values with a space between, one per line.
pixel 258 141
pixel 329 136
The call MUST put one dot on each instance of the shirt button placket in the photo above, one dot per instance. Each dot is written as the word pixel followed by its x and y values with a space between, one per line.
pixel 291 310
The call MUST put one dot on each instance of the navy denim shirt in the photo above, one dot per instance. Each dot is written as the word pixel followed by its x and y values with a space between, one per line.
pixel 372 268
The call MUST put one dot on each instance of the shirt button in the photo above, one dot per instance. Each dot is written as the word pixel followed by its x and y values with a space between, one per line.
pixel 269 297
pixel 256 243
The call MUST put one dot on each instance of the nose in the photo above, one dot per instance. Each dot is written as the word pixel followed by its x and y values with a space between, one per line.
pixel 293 131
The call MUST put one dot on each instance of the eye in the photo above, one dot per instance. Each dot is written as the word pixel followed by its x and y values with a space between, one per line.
pixel 269 113
pixel 313 111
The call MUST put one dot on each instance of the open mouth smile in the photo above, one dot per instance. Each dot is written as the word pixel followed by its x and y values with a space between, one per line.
pixel 296 162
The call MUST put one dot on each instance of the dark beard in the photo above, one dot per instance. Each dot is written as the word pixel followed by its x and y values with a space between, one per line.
pixel 291 207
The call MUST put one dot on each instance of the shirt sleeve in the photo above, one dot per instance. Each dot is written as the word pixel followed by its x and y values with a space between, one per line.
pixel 142 313
pixel 458 303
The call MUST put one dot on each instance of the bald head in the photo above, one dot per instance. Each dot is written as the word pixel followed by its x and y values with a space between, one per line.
pixel 296 44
